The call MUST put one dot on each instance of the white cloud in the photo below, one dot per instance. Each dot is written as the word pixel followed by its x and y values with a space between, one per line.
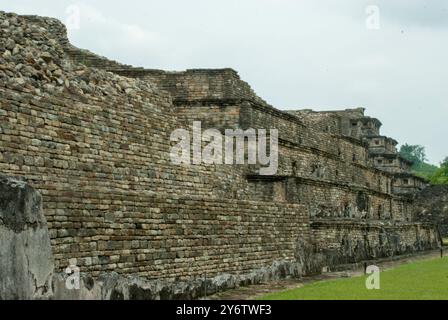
pixel 294 53
pixel 108 35
pixel 91 17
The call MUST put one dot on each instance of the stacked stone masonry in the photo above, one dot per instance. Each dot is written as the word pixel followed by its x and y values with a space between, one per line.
pixel 93 136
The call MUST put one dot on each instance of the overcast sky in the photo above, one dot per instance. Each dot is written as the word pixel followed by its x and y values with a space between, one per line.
pixel 319 54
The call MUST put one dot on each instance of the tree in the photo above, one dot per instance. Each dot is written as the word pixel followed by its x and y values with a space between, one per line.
pixel 441 175
pixel 415 153
pixel 444 163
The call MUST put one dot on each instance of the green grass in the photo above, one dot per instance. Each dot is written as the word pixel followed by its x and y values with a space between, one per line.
pixel 423 280
pixel 445 241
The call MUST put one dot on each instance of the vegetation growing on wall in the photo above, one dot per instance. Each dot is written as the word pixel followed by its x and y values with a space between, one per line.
pixel 417 154
pixel 441 175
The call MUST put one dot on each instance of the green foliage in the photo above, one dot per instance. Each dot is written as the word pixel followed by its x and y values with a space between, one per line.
pixel 423 280
pixel 444 162
pixel 424 170
pixel 415 153
pixel 441 174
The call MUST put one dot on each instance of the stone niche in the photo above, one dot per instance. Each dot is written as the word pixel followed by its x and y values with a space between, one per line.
pixel 362 202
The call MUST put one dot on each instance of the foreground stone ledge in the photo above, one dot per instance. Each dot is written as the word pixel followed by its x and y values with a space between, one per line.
pixel 113 286
pixel 26 261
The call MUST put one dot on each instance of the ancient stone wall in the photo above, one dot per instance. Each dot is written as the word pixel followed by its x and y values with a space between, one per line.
pixel 96 145
pixel 26 260
pixel 382 144
pixel 431 205
pixel 328 165
pixel 344 242
pixel 113 205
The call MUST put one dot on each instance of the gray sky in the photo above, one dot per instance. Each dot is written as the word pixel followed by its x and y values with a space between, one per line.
pixel 317 54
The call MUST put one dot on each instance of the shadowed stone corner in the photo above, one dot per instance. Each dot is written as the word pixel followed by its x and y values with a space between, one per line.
pixel 26 261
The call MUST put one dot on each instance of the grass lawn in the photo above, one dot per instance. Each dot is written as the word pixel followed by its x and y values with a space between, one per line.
pixel 422 280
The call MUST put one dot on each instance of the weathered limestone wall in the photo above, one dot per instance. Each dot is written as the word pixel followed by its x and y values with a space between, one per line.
pixel 215 116
pixel 326 166
pixel 406 183
pixel 349 122
pixel 202 84
pixel 109 203
pixel 382 144
pixel 310 163
pixel 431 206
pixel 340 160
pixel 26 261
pixel 349 241
pixel 325 199
pixel 96 145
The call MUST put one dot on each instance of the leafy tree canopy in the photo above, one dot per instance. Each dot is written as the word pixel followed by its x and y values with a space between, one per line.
pixel 420 167
pixel 415 153
pixel 444 162
pixel 441 175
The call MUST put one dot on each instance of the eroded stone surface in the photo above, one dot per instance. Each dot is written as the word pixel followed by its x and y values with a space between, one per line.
pixel 112 286
pixel 26 261
pixel 432 206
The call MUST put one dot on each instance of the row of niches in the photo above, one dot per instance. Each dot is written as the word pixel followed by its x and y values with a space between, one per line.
pixel 362 206
pixel 322 172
